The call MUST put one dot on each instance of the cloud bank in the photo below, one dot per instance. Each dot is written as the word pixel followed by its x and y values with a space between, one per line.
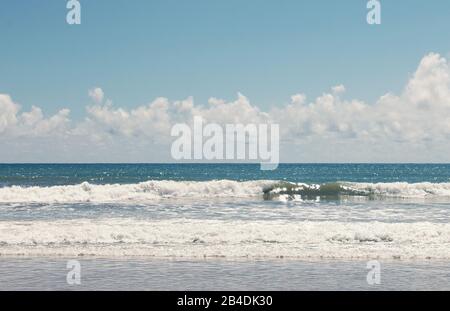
pixel 414 125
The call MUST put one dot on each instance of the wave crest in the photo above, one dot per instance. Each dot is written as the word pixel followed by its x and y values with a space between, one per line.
pixel 266 189
pixel 122 193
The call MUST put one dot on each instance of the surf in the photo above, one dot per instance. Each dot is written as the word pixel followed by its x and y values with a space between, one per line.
pixel 209 238
pixel 268 190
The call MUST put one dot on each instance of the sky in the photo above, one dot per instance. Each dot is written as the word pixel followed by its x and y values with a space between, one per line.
pixel 110 89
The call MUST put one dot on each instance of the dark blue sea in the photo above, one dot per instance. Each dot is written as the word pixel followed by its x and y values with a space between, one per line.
pixel 70 174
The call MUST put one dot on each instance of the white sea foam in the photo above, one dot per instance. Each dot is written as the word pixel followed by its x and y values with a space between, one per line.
pixel 154 190
pixel 141 192
pixel 403 189
pixel 230 239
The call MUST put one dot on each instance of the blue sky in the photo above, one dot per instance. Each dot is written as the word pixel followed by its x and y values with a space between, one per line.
pixel 137 51
pixel 268 50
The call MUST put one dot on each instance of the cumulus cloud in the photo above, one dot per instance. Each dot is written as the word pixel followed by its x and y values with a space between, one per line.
pixel 156 119
pixel 97 95
pixel 338 89
pixel 8 113
pixel 31 123
pixel 419 114
pixel 106 121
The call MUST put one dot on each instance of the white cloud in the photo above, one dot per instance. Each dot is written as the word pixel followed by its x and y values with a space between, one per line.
pixel 298 98
pixel 338 89
pixel 106 121
pixel 156 119
pixel 32 123
pixel 420 114
pixel 97 95
pixel 8 113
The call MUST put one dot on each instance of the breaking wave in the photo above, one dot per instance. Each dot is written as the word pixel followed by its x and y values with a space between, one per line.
pixel 230 239
pixel 265 189
pixel 141 192
pixel 299 191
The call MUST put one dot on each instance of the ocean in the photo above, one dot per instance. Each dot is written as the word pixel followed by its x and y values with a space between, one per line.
pixel 316 224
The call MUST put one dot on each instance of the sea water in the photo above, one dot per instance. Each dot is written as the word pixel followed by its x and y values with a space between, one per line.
pixel 234 217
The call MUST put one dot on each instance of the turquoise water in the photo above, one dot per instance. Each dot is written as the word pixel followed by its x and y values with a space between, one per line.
pixel 69 174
